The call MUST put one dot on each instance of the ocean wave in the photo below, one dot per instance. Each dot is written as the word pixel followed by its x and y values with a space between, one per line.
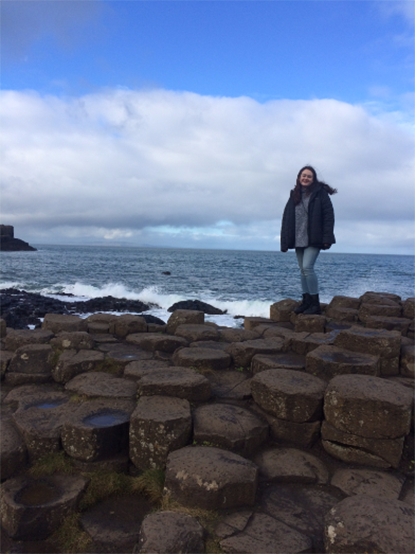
pixel 158 300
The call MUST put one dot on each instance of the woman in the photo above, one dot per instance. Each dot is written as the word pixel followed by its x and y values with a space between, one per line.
pixel 307 226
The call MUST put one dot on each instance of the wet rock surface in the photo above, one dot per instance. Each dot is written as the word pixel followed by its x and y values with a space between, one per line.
pixel 196 305
pixel 20 308
pixel 34 508
pixel 294 437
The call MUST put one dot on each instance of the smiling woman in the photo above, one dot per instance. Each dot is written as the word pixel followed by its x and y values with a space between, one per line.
pixel 307 226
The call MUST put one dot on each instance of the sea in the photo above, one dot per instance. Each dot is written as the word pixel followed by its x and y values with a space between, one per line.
pixel 244 283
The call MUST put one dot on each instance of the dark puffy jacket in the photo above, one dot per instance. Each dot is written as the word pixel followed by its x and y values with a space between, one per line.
pixel 320 221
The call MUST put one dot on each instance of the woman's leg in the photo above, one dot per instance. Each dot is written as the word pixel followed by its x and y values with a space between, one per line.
pixel 300 259
pixel 309 257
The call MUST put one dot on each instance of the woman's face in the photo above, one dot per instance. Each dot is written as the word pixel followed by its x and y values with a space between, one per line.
pixel 306 178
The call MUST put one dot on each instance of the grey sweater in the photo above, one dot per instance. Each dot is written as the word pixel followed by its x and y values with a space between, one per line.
pixel 301 221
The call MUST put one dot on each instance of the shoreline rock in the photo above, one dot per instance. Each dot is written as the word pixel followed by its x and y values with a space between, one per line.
pixel 10 244
pixel 284 457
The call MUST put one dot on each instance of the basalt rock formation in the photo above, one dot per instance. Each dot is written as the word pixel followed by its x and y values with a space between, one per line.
pixel 294 434
pixel 10 244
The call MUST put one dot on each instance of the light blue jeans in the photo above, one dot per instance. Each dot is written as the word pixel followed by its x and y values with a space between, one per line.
pixel 306 258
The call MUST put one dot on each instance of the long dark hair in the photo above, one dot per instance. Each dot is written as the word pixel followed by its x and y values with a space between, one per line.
pixel 312 187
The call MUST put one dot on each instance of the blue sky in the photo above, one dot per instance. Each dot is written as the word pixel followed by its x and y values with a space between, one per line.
pixel 184 123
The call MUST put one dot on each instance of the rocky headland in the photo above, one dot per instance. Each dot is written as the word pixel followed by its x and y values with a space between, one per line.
pixel 293 434
pixel 10 244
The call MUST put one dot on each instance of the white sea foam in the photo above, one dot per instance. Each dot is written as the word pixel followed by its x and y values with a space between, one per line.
pixel 153 296
pixel 10 285
pixel 160 302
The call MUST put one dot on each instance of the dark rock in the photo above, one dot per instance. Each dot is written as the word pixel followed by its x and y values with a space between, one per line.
pixel 368 406
pixel 157 341
pixel 72 363
pixel 109 304
pixel 13 454
pixel 229 427
pixel 34 508
pixel 196 305
pixel 114 524
pixel 369 524
pixel 97 429
pixel 20 308
pixel 39 419
pixel 153 319
pixel 289 395
pixel 243 352
pixel 103 385
pixel 202 358
pixel 184 317
pixel 285 465
pixel 302 508
pixel 171 532
pixel 15 245
pixel 265 534
pixel 229 384
pixel 366 481
pixel 350 447
pixel 127 324
pixel 181 382
pixel 194 332
pixel 159 425
pixel 210 478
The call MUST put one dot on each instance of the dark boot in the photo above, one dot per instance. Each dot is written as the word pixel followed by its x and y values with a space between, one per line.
pixel 304 305
pixel 314 305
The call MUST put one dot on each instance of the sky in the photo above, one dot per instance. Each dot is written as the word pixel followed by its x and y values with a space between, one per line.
pixel 185 123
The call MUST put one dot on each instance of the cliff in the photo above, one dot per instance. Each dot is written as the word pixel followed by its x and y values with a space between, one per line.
pixel 10 244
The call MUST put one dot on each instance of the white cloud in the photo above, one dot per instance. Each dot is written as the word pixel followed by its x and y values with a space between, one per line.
pixel 403 8
pixel 155 166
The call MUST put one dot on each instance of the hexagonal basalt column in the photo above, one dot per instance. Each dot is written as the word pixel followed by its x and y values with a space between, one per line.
pixel 72 363
pixel 181 382
pixel 210 478
pixel 13 453
pixel 32 509
pixel 243 352
pixel 328 361
pixel 183 317
pixel 127 324
pixel 99 384
pixel 157 341
pixel 386 344
pixel 367 419
pixel 30 363
pixel 289 395
pixel 368 524
pixel 97 429
pixel 159 425
pixel 58 322
pixel 202 358
pixel 39 419
pixel 229 427
pixel 171 532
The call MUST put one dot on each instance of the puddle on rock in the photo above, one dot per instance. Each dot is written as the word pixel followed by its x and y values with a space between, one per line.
pixel 117 356
pixel 36 494
pixel 46 405
pixel 106 419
